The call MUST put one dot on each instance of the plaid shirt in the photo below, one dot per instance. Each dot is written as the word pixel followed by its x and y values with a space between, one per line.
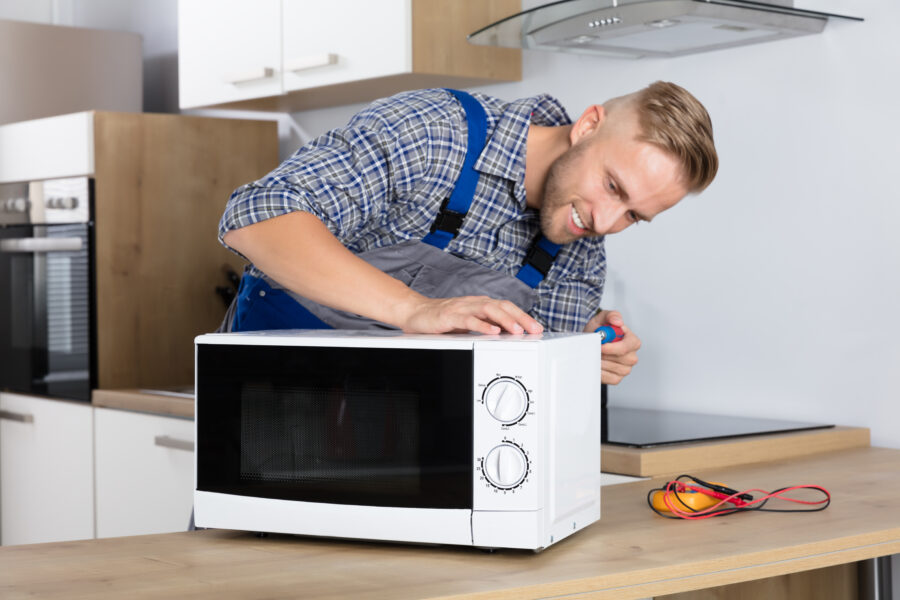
pixel 381 180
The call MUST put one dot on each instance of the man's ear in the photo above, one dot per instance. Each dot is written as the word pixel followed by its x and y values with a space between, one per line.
pixel 589 121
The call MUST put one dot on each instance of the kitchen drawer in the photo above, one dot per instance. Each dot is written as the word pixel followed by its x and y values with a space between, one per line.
pixel 144 472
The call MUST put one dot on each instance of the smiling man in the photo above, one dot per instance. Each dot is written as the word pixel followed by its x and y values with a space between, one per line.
pixel 437 210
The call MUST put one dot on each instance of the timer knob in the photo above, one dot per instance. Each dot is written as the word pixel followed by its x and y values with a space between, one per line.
pixel 506 400
pixel 505 466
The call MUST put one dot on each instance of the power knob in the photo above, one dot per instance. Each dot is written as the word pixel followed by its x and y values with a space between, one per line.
pixel 506 400
pixel 505 466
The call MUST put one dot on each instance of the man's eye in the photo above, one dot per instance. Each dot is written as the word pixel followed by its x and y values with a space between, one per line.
pixel 633 217
pixel 612 186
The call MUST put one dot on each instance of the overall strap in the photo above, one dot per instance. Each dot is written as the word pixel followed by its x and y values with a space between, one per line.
pixel 538 261
pixel 453 209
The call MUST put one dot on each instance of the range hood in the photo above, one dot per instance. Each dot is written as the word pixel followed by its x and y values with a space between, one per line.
pixel 637 28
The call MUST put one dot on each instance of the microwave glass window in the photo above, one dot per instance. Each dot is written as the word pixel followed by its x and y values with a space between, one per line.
pixel 381 427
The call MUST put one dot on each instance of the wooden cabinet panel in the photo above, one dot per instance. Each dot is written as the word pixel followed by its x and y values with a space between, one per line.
pixel 46 470
pixel 161 185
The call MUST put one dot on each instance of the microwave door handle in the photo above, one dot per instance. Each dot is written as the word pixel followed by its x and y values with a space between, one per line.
pixel 41 244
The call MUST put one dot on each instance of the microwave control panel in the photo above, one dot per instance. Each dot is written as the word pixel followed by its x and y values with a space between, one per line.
pixel 506 427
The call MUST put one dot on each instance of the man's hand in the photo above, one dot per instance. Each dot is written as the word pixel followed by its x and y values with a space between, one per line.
pixel 467 313
pixel 618 357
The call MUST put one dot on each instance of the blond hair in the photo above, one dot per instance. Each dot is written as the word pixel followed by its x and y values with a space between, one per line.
pixel 674 120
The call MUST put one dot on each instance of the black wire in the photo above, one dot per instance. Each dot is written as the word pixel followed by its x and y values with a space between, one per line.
pixel 727 511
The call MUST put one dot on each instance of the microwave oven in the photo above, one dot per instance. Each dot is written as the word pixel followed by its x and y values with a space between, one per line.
pixel 485 441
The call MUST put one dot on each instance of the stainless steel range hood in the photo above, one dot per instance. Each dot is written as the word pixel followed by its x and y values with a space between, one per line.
pixel 636 28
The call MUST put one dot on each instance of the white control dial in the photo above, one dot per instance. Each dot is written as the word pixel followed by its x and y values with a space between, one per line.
pixel 506 400
pixel 505 466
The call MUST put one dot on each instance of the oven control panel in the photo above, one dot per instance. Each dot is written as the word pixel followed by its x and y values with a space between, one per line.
pixel 51 201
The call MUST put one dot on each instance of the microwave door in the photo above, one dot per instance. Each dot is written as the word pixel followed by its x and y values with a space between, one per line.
pixel 362 426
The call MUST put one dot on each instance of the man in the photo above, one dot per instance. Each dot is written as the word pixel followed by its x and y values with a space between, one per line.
pixel 435 211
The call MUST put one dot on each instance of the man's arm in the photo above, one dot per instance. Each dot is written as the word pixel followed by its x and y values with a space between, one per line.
pixel 299 252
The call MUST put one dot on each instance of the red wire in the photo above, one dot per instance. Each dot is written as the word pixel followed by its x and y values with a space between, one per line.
pixel 674 487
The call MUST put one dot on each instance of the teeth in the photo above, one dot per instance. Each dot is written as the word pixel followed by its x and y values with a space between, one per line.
pixel 577 219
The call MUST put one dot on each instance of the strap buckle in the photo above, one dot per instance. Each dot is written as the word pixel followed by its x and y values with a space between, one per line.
pixel 448 220
pixel 540 259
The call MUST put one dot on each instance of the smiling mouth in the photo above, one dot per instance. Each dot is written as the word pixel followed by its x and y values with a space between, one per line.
pixel 577 220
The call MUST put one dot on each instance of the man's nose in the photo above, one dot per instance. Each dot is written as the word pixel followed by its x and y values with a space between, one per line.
pixel 607 217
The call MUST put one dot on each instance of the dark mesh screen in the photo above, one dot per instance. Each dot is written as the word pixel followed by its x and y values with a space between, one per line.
pixel 339 425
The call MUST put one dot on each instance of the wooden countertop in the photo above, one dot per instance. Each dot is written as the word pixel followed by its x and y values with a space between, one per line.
pixel 169 402
pixel 675 459
pixel 630 553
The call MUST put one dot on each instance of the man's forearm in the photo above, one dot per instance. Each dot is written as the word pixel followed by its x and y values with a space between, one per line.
pixel 300 253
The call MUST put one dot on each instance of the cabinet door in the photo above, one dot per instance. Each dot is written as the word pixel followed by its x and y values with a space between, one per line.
pixel 340 41
pixel 228 50
pixel 145 472
pixel 46 470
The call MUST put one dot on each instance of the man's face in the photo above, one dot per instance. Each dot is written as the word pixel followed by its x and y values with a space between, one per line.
pixel 606 181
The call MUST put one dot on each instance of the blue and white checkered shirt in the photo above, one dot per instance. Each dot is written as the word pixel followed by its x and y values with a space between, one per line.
pixel 381 180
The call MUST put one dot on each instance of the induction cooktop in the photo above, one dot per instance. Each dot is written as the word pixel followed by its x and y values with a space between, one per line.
pixel 645 428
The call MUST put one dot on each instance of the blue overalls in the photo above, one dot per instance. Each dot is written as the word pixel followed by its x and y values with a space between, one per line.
pixel 422 265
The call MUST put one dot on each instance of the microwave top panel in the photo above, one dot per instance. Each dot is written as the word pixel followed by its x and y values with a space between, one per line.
pixel 377 339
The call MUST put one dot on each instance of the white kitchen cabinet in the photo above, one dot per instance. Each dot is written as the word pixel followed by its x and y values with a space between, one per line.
pixel 144 472
pixel 347 41
pixel 290 55
pixel 228 50
pixel 46 470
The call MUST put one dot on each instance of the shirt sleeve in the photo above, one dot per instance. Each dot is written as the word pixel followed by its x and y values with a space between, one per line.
pixel 341 178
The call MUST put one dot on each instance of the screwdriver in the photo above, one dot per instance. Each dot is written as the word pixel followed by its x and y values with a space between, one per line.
pixel 610 333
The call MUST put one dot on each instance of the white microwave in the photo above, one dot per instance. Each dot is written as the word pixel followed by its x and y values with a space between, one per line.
pixel 486 441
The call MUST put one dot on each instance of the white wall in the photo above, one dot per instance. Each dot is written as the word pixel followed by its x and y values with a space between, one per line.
pixel 773 293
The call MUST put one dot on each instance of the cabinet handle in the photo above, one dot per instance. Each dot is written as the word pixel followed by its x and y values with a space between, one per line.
pixel 250 75
pixel 166 441
pixel 11 416
pixel 41 244
pixel 312 61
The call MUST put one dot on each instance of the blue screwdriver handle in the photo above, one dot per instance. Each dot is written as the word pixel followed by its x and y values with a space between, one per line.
pixel 610 333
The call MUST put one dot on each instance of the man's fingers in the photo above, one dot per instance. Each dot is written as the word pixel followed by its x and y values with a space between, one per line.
pixel 510 317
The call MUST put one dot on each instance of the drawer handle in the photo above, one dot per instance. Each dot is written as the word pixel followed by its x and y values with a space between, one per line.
pixel 41 244
pixel 312 61
pixel 11 416
pixel 166 441
pixel 250 76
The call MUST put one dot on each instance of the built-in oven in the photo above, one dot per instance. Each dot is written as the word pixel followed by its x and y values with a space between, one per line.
pixel 45 288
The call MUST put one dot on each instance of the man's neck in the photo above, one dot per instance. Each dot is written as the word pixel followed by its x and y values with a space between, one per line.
pixel 543 146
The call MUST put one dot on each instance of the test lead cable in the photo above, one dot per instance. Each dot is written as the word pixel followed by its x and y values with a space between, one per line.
pixel 701 499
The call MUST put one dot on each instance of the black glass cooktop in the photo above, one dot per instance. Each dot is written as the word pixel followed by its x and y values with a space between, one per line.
pixel 643 428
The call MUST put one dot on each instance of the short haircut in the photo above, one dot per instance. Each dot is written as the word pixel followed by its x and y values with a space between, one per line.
pixel 675 121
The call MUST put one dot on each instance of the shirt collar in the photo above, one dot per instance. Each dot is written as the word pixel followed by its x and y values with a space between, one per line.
pixel 504 151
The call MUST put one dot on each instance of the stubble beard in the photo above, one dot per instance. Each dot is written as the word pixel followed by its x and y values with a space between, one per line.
pixel 555 196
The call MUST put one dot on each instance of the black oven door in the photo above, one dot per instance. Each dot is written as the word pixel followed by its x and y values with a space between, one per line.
pixel 45 310
pixel 362 426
